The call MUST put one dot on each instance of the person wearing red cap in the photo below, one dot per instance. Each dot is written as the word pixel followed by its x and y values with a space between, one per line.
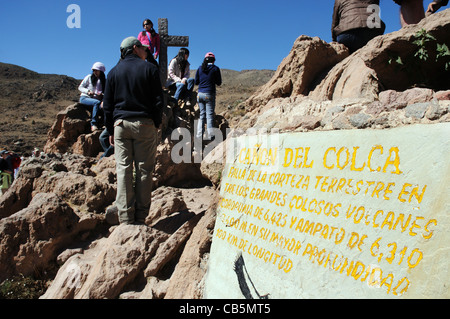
pixel 207 77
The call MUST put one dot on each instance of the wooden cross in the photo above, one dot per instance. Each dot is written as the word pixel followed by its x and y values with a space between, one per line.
pixel 167 41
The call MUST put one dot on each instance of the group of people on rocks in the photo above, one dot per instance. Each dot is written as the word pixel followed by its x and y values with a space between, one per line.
pixel 350 19
pixel 131 97
pixel 179 81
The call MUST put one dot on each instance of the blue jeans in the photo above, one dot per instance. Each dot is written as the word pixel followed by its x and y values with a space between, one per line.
pixel 108 149
pixel 184 90
pixel 207 105
pixel 95 108
pixel 357 38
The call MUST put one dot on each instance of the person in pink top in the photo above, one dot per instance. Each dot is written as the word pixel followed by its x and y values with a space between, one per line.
pixel 150 37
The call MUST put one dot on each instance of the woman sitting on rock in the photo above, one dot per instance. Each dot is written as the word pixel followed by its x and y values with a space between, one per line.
pixel 178 77
pixel 91 89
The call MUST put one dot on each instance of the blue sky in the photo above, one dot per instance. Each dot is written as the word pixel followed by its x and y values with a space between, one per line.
pixel 245 34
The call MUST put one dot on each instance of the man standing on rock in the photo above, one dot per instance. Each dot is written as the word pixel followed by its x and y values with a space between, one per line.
pixel 133 103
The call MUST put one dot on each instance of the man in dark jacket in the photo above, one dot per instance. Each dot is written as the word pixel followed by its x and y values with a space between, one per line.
pixel 133 103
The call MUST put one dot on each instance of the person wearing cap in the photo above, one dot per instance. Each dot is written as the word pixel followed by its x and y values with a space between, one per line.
pixel 133 104
pixel 91 89
pixel 207 77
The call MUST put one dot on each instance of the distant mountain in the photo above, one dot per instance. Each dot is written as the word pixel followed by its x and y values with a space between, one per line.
pixel 30 101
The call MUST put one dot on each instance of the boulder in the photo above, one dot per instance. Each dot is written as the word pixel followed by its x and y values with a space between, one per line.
pixel 308 61
pixel 103 270
pixel 69 125
pixel 31 238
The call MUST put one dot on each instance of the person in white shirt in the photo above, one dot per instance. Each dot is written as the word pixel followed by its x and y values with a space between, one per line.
pixel 178 76
pixel 91 89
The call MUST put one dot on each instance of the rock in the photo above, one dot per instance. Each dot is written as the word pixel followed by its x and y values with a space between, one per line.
pixel 193 262
pixel 349 79
pixel 88 144
pixel 165 201
pixel 31 238
pixel 177 174
pixel 436 111
pixel 360 120
pixel 71 132
pixel 102 271
pixel 443 95
pixel 66 254
pixel 17 197
pixel 170 247
pixel 155 289
pixel 212 165
pixel 416 110
pixel 392 99
pixel 86 192
pixel 70 123
pixel 300 70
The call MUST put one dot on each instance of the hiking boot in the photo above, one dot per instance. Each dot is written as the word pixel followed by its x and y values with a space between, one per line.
pixel 112 215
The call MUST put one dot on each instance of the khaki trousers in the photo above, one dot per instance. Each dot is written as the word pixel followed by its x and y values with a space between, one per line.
pixel 134 147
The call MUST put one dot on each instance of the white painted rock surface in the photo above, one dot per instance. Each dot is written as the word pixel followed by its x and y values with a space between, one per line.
pixel 342 214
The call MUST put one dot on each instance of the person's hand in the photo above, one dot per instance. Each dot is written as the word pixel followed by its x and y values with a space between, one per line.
pixel 184 81
pixel 432 8
pixel 111 140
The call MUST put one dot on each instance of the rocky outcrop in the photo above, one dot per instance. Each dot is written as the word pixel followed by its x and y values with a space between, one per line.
pixel 309 60
pixel 31 239
pixel 57 205
pixel 391 109
pixel 388 62
pixel 71 124
pixel 325 71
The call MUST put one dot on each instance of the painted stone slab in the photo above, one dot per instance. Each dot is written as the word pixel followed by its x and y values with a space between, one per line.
pixel 341 214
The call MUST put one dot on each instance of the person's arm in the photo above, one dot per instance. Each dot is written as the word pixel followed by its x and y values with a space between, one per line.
pixel 172 74
pixel 84 85
pixel 157 90
pixel 157 46
pixel 335 21
pixel 187 72
pixel 218 77
pixel 197 76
